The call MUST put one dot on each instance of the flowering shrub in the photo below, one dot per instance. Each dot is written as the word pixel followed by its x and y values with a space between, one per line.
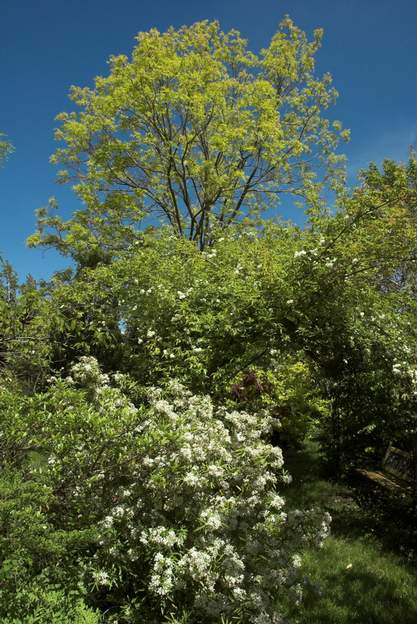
pixel 168 311
pixel 174 503
pixel 300 308
pixel 313 312
pixel 198 524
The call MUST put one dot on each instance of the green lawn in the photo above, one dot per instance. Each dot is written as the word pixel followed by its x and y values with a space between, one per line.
pixel 366 573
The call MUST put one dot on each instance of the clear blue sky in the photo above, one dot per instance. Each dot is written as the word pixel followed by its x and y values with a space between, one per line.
pixel 370 47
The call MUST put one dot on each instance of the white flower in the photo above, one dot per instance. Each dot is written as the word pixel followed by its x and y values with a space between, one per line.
pixel 107 522
pixel 197 562
pixel 215 471
pixel 239 594
pixel 277 501
pixel 102 577
pixel 161 581
pixel 299 254
pixel 150 333
pixel 118 511
pixel 191 479
pixel 186 453
pixel 296 561
pixel 211 519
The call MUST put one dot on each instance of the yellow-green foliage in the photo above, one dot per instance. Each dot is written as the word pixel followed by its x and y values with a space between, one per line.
pixel 196 128
pixel 289 388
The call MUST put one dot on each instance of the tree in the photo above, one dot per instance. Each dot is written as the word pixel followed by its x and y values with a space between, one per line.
pixel 197 129
pixel 5 148
pixel 358 316
pixel 394 192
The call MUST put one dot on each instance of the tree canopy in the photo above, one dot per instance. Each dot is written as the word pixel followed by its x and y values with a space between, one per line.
pixel 198 130
pixel 5 148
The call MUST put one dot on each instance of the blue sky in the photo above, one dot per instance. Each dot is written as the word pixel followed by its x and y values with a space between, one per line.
pixel 370 47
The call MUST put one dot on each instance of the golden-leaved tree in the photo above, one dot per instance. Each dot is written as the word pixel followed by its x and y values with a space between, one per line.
pixel 197 129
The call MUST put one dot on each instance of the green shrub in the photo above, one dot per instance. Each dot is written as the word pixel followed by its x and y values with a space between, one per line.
pixel 157 509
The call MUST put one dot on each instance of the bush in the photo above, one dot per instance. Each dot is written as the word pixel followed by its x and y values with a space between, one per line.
pixel 289 391
pixel 40 602
pixel 39 583
pixel 160 510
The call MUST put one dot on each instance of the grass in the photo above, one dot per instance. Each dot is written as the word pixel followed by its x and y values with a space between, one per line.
pixel 366 572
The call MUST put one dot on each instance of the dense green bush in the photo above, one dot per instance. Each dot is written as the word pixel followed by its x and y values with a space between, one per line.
pixel 25 337
pixel 307 313
pixel 208 319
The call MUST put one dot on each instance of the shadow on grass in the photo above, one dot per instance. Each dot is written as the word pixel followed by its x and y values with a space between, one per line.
pixel 353 584
pixel 362 574
pixel 355 513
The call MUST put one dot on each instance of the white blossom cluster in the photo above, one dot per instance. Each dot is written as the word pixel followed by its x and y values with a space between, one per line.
pixel 86 372
pixel 407 371
pixel 198 523
pixel 316 255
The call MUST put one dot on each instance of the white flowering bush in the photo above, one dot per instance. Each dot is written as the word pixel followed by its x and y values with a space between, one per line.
pixel 169 509
pixel 194 520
